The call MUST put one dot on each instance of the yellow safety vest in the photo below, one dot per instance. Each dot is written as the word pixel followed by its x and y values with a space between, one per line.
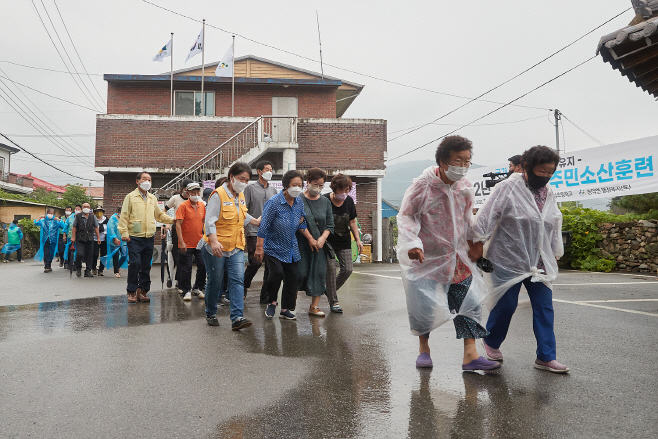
pixel 230 225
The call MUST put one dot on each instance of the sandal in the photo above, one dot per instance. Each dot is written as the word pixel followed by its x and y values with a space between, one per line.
pixel 336 308
pixel 117 275
pixel 315 311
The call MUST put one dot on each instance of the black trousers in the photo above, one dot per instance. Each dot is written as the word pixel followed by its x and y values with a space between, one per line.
pixel 174 254
pixel 140 256
pixel 252 269
pixel 85 254
pixel 19 255
pixel 185 261
pixel 99 250
pixel 286 272
pixel 61 243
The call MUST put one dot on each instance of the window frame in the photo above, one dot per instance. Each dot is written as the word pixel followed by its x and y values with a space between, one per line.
pixel 195 92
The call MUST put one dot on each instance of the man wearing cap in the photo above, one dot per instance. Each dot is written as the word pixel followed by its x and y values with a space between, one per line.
pixel 190 216
pixel 85 228
pixel 137 226
pixel 173 203
pixel 100 249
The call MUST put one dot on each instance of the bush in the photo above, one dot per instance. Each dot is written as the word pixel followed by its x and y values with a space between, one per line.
pixel 29 228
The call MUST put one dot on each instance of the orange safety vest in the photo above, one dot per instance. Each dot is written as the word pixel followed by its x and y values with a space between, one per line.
pixel 230 225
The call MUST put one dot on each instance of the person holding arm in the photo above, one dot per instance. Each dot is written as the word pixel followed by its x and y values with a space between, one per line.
pixel 283 215
pixel 139 213
pixel 440 279
pixel 222 245
pixel 344 212
pixel 50 227
pixel 523 224
pixel 312 266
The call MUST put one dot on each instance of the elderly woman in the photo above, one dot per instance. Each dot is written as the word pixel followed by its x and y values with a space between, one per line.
pixel 440 279
pixel 312 266
pixel 222 245
pixel 523 224
pixel 283 215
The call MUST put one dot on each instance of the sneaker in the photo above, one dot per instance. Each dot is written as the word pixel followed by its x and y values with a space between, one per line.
pixel 88 274
pixel 199 293
pixel 212 321
pixel 5 261
pixel 424 360
pixel 551 366
pixel 94 272
pixel 187 296
pixel 491 353
pixel 287 315
pixel 78 273
pixel 100 273
pixel 240 323
pixel 269 312
pixel 481 364
pixel 225 299
pixel 21 261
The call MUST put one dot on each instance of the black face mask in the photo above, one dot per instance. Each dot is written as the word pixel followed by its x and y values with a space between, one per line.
pixel 537 182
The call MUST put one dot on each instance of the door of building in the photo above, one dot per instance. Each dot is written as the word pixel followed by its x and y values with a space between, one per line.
pixel 281 127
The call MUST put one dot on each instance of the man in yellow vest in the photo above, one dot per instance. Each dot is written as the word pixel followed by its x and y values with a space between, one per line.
pixel 137 226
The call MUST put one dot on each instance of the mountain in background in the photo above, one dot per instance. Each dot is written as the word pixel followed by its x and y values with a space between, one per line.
pixel 399 177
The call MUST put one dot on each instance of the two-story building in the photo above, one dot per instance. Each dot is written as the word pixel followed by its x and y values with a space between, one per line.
pixel 290 116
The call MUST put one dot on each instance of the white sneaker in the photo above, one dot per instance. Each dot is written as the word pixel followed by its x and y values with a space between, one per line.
pixel 188 296
pixel 199 293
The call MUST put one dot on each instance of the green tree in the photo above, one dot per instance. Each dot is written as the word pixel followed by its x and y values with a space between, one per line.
pixel 643 203
pixel 75 194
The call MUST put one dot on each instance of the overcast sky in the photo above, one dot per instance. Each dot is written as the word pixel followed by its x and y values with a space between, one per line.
pixel 449 46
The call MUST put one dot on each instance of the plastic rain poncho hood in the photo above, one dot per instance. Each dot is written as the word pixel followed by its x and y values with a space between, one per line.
pixel 49 233
pixel 437 218
pixel 112 249
pixel 518 234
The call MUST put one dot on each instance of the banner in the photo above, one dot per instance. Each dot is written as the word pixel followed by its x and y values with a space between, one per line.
pixel 279 186
pixel 606 171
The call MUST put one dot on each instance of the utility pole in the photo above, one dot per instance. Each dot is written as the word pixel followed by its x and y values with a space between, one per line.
pixel 557 130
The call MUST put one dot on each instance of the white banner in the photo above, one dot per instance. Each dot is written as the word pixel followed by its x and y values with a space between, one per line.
pixel 607 171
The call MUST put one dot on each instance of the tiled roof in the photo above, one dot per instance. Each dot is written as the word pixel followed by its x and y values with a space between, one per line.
pixel 43 183
pixel 96 192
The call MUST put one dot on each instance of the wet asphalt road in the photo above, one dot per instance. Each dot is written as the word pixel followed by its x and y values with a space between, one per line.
pixel 77 361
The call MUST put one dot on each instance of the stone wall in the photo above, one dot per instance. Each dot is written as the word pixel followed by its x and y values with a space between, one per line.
pixel 634 244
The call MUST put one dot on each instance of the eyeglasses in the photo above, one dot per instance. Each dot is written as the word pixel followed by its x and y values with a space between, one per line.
pixel 459 163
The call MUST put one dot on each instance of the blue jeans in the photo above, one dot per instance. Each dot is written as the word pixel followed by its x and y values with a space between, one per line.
pixel 541 299
pixel 215 267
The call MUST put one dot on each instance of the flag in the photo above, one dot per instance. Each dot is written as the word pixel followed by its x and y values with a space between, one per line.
pixel 197 48
pixel 163 53
pixel 225 66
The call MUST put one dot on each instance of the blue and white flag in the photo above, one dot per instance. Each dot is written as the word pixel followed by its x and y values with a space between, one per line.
pixel 163 53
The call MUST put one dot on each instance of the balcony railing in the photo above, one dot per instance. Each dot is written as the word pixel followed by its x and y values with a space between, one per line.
pixel 278 129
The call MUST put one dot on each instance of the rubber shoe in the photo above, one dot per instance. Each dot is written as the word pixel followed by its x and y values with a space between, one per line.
pixel 287 315
pixel 551 366
pixel 491 353
pixel 187 297
pixel 424 361
pixel 212 321
pixel 481 364
pixel 269 312
pixel 240 323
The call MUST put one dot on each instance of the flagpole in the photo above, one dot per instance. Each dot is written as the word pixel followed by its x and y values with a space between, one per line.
pixel 203 61
pixel 171 92
pixel 233 79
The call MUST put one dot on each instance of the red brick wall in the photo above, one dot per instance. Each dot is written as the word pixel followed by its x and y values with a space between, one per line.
pixel 118 185
pixel 250 100
pixel 158 144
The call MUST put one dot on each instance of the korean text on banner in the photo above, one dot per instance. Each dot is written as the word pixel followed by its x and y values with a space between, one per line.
pixel 607 171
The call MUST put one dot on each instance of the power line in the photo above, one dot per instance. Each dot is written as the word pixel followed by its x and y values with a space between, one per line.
pixel 58 51
pixel 334 66
pixel 43 68
pixel 50 96
pixel 53 135
pixel 583 131
pixel 475 125
pixel 495 110
pixel 76 52
pixel 43 161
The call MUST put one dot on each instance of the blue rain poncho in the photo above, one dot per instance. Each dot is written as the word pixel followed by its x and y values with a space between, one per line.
pixel 49 235
pixel 112 249
pixel 437 218
pixel 67 226
pixel 15 235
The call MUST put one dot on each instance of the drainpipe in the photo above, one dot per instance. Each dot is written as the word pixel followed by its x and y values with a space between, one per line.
pixel 379 220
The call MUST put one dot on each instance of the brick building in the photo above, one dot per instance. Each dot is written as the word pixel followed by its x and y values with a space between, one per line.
pixel 281 113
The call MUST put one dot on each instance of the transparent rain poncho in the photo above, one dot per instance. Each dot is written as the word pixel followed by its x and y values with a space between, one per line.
pixel 437 218
pixel 519 234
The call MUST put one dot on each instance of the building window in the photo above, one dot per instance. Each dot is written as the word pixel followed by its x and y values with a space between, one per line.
pixel 188 103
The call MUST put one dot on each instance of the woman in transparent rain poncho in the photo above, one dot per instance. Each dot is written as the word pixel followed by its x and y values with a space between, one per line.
pixel 440 280
pixel 522 221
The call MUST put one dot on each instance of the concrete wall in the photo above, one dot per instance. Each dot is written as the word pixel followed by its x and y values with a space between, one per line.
pixel 634 245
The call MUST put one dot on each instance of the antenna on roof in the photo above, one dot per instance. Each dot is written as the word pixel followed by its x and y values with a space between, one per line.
pixel 320 40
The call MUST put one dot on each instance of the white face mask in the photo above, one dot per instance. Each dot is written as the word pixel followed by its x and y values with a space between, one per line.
pixel 267 176
pixel 77 211
pixel 67 213
pixel 85 210
pixel 145 185
pixel 455 173
pixel 314 191
pixel 195 198
pixel 238 186
pixel 50 216
pixel 294 191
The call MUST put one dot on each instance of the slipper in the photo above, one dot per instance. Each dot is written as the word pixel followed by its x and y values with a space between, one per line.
pixel 424 360
pixel 481 364
pixel 117 275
